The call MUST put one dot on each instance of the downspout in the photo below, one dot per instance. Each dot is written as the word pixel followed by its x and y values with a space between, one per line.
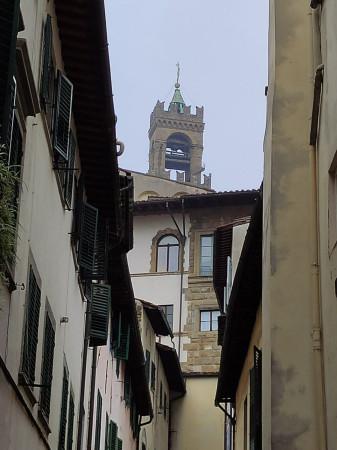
pixel 316 273
pixel 233 422
pixel 83 377
pixel 140 426
pixel 92 397
pixel 182 235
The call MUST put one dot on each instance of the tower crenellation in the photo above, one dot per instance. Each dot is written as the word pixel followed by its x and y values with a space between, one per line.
pixel 176 141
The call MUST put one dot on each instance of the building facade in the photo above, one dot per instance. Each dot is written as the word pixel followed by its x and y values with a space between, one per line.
pixel 64 275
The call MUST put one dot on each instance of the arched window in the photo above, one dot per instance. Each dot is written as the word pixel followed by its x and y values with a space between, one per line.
pixel 168 254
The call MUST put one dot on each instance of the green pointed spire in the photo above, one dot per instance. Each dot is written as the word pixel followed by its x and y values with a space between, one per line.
pixel 177 97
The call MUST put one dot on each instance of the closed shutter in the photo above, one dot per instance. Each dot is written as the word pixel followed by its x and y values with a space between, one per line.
pixel 106 447
pixel 127 386
pixel 62 115
pixel 153 375
pixel 127 203
pixel 47 367
pixel 100 307
pixel 9 21
pixel 69 173
pixel 31 329
pixel 87 237
pixel 147 365
pixel 99 271
pixel 115 335
pixel 46 62
pixel 98 421
pixel 119 444
pixel 63 414
pixel 255 430
pixel 8 132
pixel 122 351
pixel 113 432
pixel 71 415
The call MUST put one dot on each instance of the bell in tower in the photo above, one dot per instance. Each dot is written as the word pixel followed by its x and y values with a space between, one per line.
pixel 176 141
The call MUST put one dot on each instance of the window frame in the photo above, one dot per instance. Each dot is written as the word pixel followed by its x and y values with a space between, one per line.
pixel 210 311
pixel 163 308
pixel 200 237
pixel 168 246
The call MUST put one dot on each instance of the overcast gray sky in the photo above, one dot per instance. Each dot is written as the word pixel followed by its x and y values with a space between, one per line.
pixel 222 49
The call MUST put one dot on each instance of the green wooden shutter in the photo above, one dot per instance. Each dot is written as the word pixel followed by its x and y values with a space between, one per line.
pixel 63 414
pixel 100 307
pixel 87 237
pixel 64 99
pixel 46 61
pixel 122 351
pixel 47 367
pixel 153 376
pixel 115 333
pixel 147 365
pixel 113 432
pixel 119 444
pixel 106 447
pixel 71 415
pixel 98 421
pixel 31 329
pixel 99 271
pixel 69 173
pixel 255 428
pixel 9 21
pixel 127 386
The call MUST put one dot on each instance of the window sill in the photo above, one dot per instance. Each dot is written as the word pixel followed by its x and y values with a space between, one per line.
pixel 23 382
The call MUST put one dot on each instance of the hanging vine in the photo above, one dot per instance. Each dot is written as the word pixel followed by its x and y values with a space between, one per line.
pixel 8 180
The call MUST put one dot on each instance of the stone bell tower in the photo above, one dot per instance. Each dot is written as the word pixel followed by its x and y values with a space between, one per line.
pixel 176 141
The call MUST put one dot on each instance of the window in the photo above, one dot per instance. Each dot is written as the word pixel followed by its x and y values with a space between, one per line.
pixel 119 444
pixel 71 422
pixel 206 255
pixel 153 376
pixel 209 320
pixel 31 329
pixel 255 416
pixel 98 421
pixel 168 254
pixel 47 367
pixel 168 311
pixel 64 407
pixel 165 405
pixel 147 365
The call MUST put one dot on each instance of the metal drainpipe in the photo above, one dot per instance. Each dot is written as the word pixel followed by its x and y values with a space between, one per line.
pixel 92 397
pixel 140 426
pixel 233 421
pixel 316 278
pixel 83 376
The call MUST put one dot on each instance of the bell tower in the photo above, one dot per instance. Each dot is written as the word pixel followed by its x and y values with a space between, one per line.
pixel 176 141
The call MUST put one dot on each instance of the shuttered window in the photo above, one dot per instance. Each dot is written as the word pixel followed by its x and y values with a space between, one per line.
pixel 100 307
pixel 64 99
pixel 127 387
pixel 113 432
pixel 63 413
pixel 9 21
pixel 69 173
pixel 165 405
pixel 106 446
pixel 47 367
pixel 45 93
pixel 119 444
pixel 153 376
pixel 31 330
pixel 100 257
pixel 126 202
pixel 122 351
pixel 255 428
pixel 147 365
pixel 87 237
pixel 71 415
pixel 98 421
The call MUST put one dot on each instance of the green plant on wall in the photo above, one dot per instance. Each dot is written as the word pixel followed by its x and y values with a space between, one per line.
pixel 8 186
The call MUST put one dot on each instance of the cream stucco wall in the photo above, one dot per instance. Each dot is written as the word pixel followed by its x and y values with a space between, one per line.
pixel 196 423
pixel 292 401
